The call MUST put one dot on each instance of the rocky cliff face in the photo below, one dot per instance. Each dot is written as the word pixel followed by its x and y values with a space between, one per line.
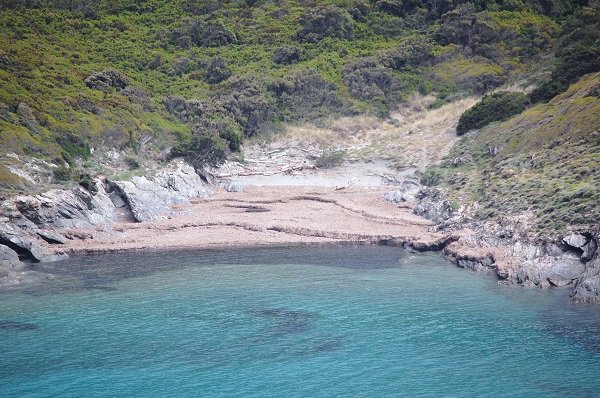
pixel 503 247
pixel 27 222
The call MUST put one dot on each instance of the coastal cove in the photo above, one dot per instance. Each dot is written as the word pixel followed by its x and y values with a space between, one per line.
pixel 291 321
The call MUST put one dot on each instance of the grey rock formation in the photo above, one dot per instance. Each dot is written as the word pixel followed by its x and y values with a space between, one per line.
pixel 152 199
pixel 25 245
pixel 9 259
pixel 59 208
pixel 51 237
pixel 406 192
pixel 575 240
pixel 233 186
pixel 587 289
pixel 432 205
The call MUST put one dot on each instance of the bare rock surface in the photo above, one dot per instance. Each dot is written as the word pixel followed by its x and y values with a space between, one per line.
pixel 587 289
pixel 153 198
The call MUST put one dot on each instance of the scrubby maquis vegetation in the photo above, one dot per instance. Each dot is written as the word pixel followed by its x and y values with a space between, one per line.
pixel 494 107
pixel 577 52
pixel 145 76
pixel 544 162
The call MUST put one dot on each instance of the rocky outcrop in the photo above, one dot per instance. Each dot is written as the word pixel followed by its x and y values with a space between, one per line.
pixel 29 222
pixel 153 199
pixel 25 245
pixel 9 259
pixel 587 288
pixel 433 205
pixel 75 208
pixel 406 191
pixel 544 262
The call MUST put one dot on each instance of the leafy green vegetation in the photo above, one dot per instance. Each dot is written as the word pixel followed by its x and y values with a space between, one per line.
pixel 494 107
pixel 544 161
pixel 145 76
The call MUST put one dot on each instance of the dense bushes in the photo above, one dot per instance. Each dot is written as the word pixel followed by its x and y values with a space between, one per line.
pixel 305 94
pixel 287 55
pixel 494 107
pixel 209 143
pixel 577 53
pixel 217 71
pixel 260 63
pixel 321 22
pixel 368 80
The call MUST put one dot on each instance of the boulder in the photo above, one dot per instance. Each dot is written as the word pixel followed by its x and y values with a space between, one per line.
pixel 406 192
pixel 575 240
pixel 432 205
pixel 589 250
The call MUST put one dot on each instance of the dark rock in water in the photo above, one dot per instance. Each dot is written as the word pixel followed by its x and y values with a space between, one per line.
pixel 11 325
pixel 285 321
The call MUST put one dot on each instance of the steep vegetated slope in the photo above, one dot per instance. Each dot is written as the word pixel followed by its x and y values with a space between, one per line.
pixel 159 78
pixel 545 160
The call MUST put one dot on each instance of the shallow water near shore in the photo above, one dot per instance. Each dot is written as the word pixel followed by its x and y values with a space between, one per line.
pixel 296 322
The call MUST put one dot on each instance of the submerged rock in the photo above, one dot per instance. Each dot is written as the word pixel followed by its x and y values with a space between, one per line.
pixel 12 325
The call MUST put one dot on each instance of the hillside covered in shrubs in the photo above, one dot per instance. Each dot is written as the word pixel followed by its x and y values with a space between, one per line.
pixel 194 78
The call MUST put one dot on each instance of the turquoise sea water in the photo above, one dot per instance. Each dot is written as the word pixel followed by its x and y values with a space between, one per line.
pixel 292 322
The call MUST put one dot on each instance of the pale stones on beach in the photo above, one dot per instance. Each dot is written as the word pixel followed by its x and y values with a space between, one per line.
pixel 405 192
pixel 233 186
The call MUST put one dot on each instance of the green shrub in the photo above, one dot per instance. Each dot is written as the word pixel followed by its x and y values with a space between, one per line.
pixel 495 107
pixel 368 80
pixel 86 181
pixel 287 55
pixel 217 71
pixel 204 148
pixel 431 176
pixel 330 158
pixel 326 21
